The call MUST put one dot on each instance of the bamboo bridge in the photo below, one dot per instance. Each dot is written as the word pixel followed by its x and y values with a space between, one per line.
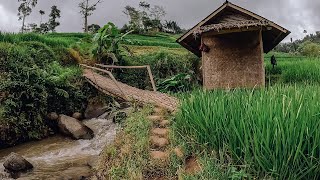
pixel 105 82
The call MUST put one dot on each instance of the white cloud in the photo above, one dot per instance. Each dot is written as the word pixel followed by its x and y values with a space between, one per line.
pixel 8 21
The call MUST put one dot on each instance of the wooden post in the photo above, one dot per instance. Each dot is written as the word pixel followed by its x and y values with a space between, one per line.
pixel 151 78
pixel 134 67
pixel 262 58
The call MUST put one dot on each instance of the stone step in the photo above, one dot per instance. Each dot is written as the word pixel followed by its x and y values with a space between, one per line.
pixel 155 118
pixel 159 155
pixel 159 142
pixel 160 132
pixel 164 123
pixel 158 111
pixel 178 152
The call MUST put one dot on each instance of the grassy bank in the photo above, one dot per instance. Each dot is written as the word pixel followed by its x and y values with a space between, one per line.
pixel 33 83
pixel 271 132
pixel 129 156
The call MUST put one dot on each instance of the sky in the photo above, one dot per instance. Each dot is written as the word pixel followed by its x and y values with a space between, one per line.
pixel 295 15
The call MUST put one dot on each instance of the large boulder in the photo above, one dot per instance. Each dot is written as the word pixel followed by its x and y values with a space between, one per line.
pixel 16 163
pixel 95 108
pixel 74 128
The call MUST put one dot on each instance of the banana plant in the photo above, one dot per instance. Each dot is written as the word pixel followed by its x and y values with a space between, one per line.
pixel 107 43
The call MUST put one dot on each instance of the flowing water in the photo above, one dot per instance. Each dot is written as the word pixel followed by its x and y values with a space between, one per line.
pixel 63 158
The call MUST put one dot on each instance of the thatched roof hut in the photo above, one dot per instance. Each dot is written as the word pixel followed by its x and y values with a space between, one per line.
pixel 231 42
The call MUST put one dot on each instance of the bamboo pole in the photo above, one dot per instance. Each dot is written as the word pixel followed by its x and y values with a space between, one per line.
pixel 151 78
pixel 121 67
pixel 110 75
pixel 134 67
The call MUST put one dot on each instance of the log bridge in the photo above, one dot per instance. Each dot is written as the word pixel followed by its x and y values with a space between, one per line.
pixel 105 82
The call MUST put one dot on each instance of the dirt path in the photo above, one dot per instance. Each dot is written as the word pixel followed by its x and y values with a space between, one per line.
pixel 124 91
pixel 160 148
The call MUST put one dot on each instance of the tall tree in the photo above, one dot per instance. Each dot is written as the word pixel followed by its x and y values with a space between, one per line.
pixel 172 27
pixel 158 12
pixel 135 18
pixel 25 10
pixel 53 16
pixel 86 10
pixel 41 12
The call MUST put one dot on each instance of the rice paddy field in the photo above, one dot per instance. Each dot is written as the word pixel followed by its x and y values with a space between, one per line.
pixel 269 133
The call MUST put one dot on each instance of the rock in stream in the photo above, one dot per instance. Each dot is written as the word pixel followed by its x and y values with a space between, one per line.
pixel 16 163
pixel 74 128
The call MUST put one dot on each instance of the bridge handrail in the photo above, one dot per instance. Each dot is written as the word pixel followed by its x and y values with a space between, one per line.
pixel 133 67
pixel 110 75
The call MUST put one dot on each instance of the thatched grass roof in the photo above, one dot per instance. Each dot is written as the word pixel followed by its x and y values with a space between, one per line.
pixel 227 19
pixel 230 25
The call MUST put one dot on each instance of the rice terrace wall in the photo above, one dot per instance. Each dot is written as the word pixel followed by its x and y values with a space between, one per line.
pixel 234 60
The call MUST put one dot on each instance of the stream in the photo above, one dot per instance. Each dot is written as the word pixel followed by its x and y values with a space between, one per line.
pixel 60 157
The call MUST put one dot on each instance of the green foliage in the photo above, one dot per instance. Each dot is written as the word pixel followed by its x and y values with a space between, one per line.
pixel 107 44
pixel 271 131
pixel 41 54
pixel 35 84
pixel 93 28
pixel 163 64
pixel 294 46
pixel 145 18
pixel 25 10
pixel 65 56
pixel 51 42
pixel 173 27
pixel 178 83
pixel 54 15
pixel 160 39
pixel 310 49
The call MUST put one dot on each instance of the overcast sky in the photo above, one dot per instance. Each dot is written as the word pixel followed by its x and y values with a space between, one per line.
pixel 295 15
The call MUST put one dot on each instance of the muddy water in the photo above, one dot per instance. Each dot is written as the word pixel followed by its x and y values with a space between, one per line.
pixel 62 158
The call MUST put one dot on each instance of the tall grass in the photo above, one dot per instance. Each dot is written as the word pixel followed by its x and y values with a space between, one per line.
pixel 274 131
pixel 49 41
pixel 294 69
pixel 162 40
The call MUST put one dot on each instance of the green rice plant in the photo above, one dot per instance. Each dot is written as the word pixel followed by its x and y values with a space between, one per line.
pixel 160 39
pixel 293 69
pixel 274 131
pixel 49 41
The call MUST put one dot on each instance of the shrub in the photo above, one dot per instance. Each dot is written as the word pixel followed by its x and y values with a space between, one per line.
pixel 163 64
pixel 67 56
pixel 35 84
pixel 178 83
pixel 310 49
pixel 41 54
